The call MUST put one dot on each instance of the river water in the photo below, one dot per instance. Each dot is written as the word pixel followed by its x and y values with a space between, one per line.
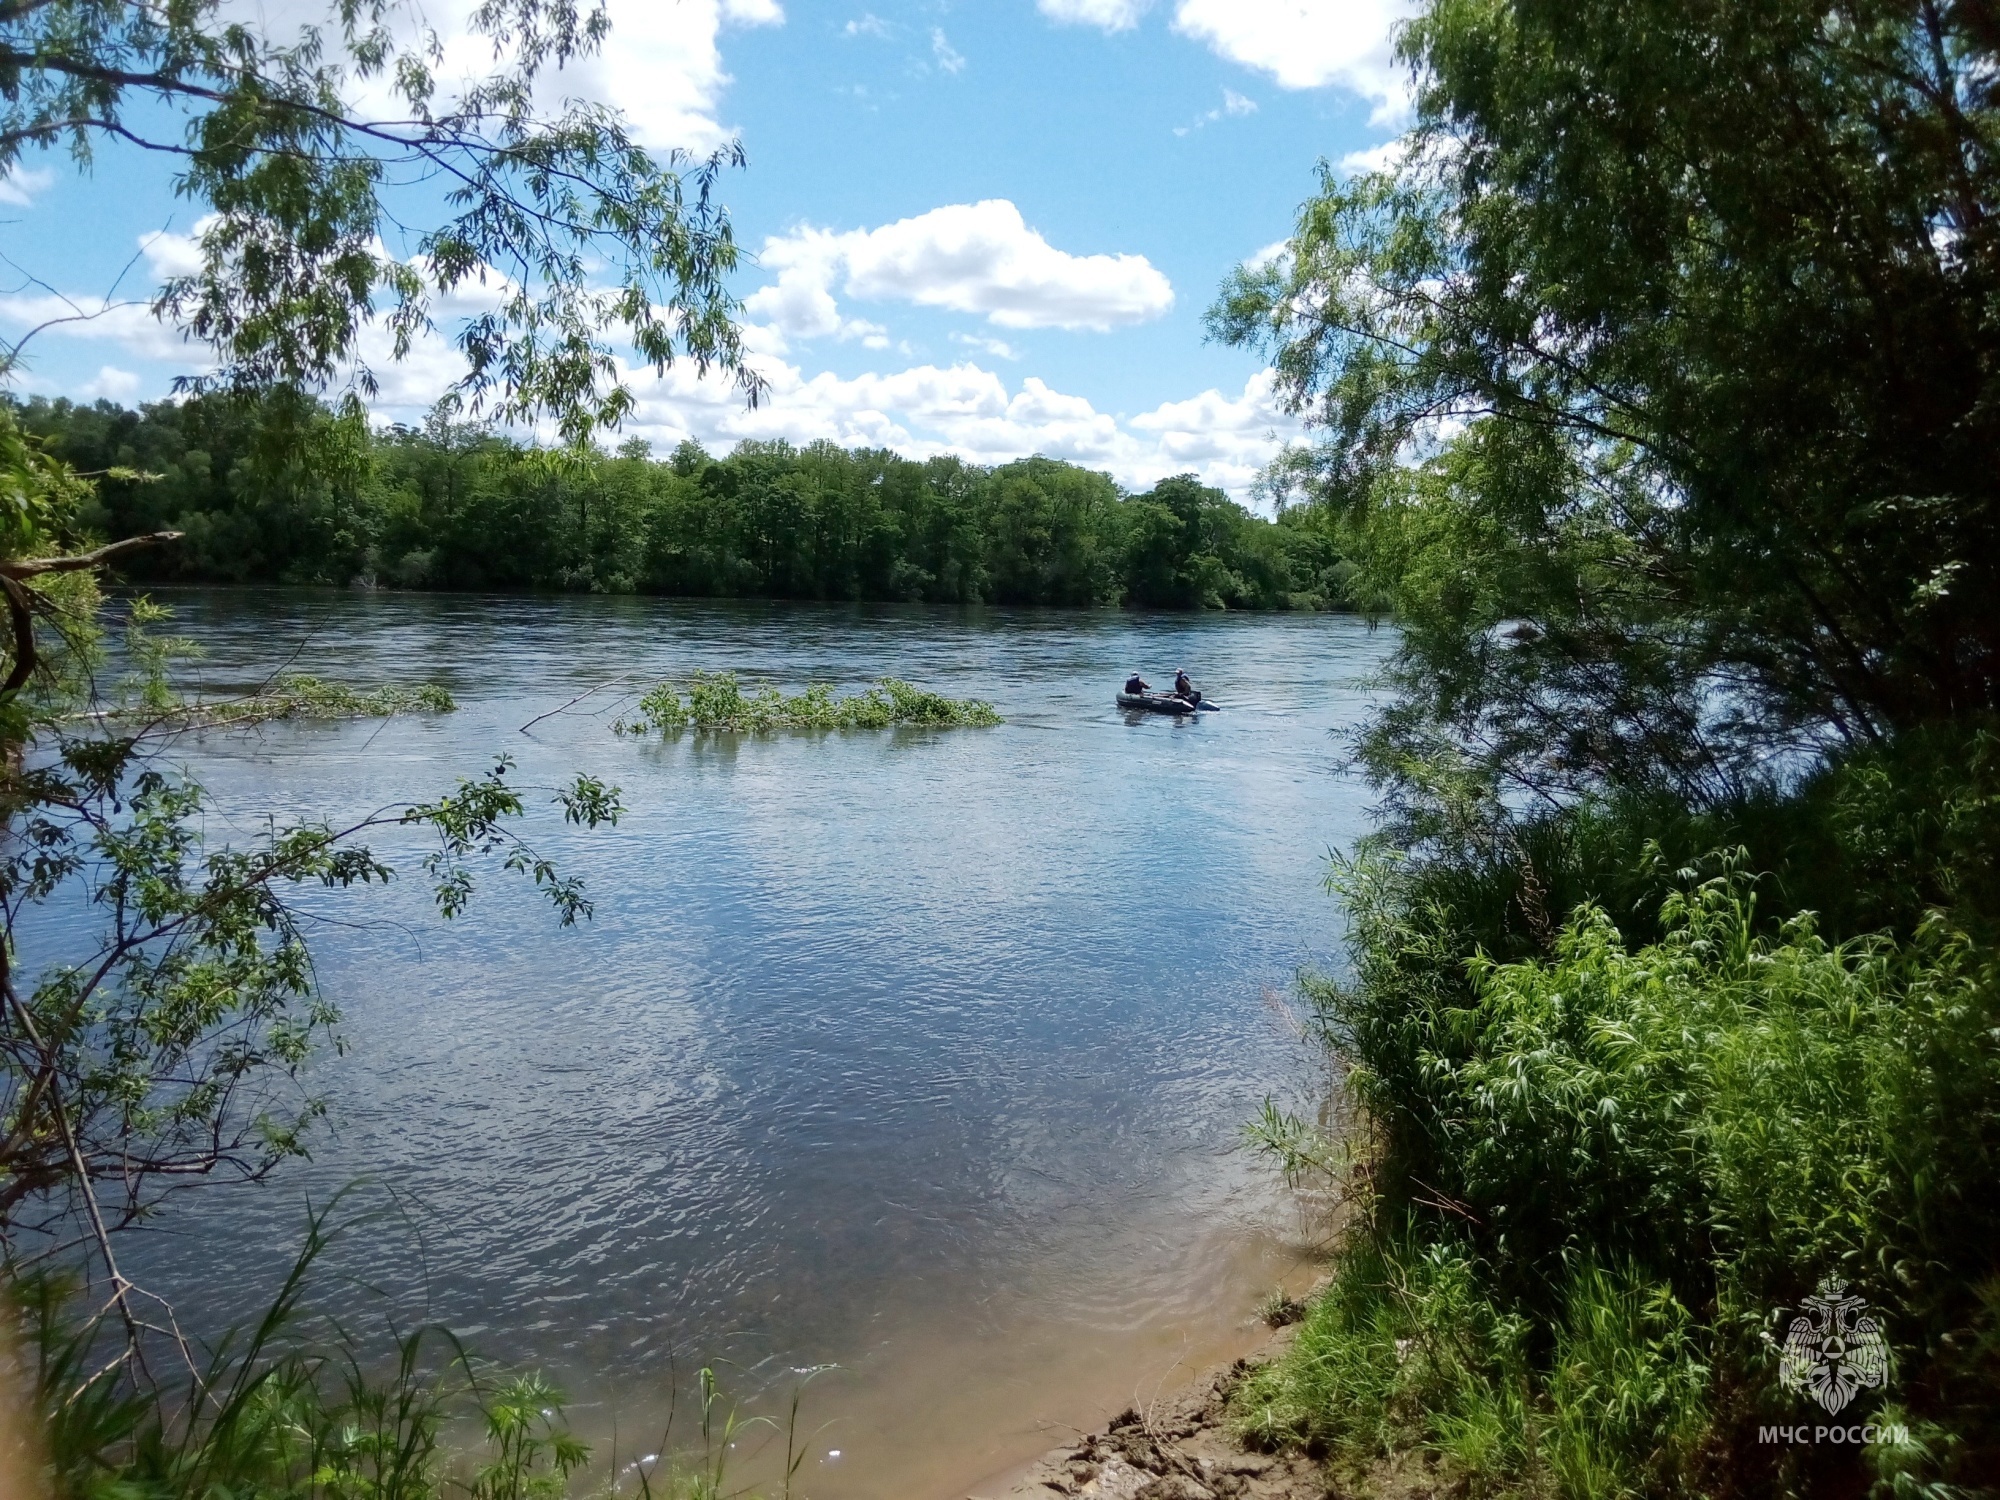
pixel 919 1055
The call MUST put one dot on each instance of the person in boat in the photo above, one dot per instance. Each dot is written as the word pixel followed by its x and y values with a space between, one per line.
pixel 1184 688
pixel 1135 685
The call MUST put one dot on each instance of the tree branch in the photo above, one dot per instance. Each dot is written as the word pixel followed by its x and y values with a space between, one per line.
pixel 34 567
pixel 23 622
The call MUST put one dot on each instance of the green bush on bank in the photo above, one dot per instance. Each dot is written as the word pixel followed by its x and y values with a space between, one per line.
pixel 1604 1173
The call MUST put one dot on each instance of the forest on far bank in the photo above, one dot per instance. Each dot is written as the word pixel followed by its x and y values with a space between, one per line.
pixel 287 491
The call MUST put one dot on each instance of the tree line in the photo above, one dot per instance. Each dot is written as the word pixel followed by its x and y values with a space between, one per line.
pixel 283 490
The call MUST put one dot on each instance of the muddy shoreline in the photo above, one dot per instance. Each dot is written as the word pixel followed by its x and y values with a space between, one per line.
pixel 1177 1448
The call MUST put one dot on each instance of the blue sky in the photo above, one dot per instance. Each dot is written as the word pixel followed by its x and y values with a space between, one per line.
pixel 986 228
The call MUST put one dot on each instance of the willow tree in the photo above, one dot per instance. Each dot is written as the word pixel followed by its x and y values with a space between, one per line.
pixel 1658 381
pixel 1661 380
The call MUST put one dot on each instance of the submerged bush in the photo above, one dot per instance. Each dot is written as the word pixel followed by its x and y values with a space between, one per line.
pixel 716 700
pixel 298 696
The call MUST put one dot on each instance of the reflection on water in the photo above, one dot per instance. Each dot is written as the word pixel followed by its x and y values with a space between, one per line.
pixel 919 1054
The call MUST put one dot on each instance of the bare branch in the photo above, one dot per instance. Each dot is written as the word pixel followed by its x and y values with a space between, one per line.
pixel 35 567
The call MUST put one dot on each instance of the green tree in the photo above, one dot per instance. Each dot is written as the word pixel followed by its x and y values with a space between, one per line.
pixel 1051 534
pixel 161 1049
pixel 1180 533
pixel 1658 383
pixel 1654 391
pixel 583 233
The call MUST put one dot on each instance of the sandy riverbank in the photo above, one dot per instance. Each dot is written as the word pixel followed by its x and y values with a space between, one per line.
pixel 1177 1448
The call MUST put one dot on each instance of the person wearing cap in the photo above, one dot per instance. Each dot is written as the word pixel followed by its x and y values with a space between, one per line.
pixel 1136 684
pixel 1183 687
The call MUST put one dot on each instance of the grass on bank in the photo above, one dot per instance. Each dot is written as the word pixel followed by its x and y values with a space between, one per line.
pixel 717 701
pixel 1600 1175
pixel 301 1409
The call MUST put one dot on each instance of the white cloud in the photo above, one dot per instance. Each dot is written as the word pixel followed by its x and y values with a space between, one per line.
pixel 111 384
pixel 1307 44
pixel 19 184
pixel 799 306
pixel 128 324
pixel 1111 15
pixel 661 66
pixel 1233 106
pixel 869 24
pixel 948 57
pixel 1270 255
pixel 1383 158
pixel 998 348
pixel 974 413
pixel 169 254
pixel 918 411
pixel 922 410
pixel 1303 44
pixel 411 385
pixel 968 257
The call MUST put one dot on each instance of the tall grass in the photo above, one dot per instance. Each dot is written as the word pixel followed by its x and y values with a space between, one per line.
pixel 1601 1174
pixel 296 1408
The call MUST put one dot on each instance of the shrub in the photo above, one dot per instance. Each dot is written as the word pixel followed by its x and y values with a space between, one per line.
pixel 1603 1173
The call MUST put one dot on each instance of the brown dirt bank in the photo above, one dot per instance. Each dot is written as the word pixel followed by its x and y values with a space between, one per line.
pixel 1179 1448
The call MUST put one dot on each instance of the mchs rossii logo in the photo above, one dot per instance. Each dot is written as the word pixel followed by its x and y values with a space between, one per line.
pixel 1833 1351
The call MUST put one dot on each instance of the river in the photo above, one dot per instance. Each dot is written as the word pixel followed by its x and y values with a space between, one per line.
pixel 919 1055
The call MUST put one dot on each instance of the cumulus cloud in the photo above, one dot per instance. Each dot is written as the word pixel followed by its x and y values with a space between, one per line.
pixel 1110 15
pixel 1270 255
pixel 128 324
pixel 1383 158
pixel 169 254
pixel 125 321
pixel 408 386
pixel 998 348
pixel 968 257
pixel 111 384
pixel 661 65
pixel 1306 44
pixel 960 407
pixel 927 409
pixel 970 411
pixel 18 184
pixel 799 306
pixel 1303 44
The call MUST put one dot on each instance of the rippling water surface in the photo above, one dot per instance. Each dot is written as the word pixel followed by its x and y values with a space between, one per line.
pixel 918 1054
